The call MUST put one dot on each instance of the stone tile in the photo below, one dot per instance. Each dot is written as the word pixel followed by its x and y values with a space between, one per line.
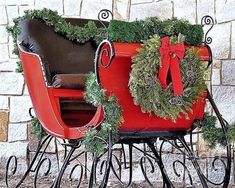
pixel 228 72
pixel 3 125
pixel 225 101
pixel 72 7
pixel 3 15
pixel 137 173
pixel 12 13
pixel 166 147
pixel 2 2
pixel 216 64
pixel 11 47
pixel 19 2
pixel 220 35
pixel 185 9
pixel 17 148
pixel 3 52
pixel 56 5
pixel 215 77
pixel 225 10
pixel 22 9
pixel 91 8
pixel 205 7
pixel 17 132
pixel 218 174
pixel 208 73
pixel 11 83
pixel 3 34
pixel 233 41
pixel 8 66
pixel 4 104
pixel 26 91
pixel 141 11
pixel 140 1
pixel 168 160
pixel 20 109
pixel 202 165
pixel 194 138
pixel 202 147
pixel 121 9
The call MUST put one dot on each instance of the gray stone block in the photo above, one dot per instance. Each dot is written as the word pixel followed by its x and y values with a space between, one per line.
pixel 11 83
pixel 19 109
pixel 216 77
pixel 220 35
pixel 72 7
pixel 185 9
pixel 228 72
pixel 225 101
pixel 17 132
pixel 3 15
pixel 161 9
pixel 91 8
pixel 225 10
pixel 4 103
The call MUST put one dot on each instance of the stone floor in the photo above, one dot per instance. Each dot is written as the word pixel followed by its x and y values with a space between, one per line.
pixel 46 183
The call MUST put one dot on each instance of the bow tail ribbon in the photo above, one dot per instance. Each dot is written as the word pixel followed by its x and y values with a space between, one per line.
pixel 163 71
pixel 176 77
pixel 170 55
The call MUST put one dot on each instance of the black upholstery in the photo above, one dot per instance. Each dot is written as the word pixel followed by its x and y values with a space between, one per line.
pixel 59 55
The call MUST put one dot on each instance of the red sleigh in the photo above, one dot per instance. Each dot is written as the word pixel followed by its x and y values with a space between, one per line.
pixel 63 113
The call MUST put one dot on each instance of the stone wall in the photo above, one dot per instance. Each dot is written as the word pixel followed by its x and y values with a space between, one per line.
pixel 14 99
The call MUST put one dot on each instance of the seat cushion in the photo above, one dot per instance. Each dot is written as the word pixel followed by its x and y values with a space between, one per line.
pixel 69 81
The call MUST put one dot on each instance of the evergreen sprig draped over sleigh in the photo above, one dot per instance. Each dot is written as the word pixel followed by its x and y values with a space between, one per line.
pixel 118 31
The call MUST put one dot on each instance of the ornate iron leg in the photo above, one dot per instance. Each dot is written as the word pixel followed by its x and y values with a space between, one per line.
pixel 66 163
pixel 166 182
pixel 107 165
pixel 119 177
pixel 194 162
pixel 225 130
pixel 30 168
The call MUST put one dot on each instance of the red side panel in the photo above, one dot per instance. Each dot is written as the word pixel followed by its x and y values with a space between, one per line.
pixel 115 79
pixel 45 100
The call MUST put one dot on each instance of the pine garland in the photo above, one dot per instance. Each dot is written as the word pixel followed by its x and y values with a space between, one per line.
pixel 146 89
pixel 137 31
pixel 37 129
pixel 80 34
pixel 214 135
pixel 95 140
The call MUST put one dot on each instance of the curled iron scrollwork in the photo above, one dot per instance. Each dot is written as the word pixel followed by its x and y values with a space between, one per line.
pixel 143 161
pixel 104 15
pixel 100 52
pixel 207 20
pixel 185 169
pixel 81 174
pixel 12 159
pixel 40 166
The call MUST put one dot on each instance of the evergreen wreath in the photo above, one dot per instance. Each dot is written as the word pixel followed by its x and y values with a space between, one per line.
pixel 80 34
pixel 146 88
pixel 95 140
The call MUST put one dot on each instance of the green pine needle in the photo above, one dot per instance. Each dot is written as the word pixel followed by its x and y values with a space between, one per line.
pixel 214 135
pixel 37 129
pixel 95 140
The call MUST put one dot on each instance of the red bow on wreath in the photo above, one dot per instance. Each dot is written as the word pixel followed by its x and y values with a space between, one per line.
pixel 170 56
